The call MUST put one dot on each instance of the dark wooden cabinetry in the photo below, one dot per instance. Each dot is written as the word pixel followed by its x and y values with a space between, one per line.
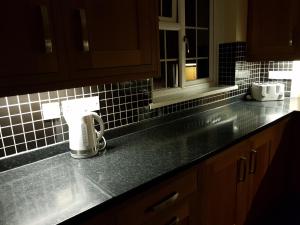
pixel 51 44
pixel 273 30
pixel 31 45
pixel 106 39
pixel 236 186
pixel 167 203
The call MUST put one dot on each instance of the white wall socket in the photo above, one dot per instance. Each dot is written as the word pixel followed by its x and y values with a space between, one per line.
pixel 51 111
pixel 82 104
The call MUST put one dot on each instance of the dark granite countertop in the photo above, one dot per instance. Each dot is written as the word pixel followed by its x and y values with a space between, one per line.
pixel 56 189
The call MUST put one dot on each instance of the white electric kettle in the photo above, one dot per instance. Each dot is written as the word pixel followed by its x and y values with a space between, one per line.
pixel 85 141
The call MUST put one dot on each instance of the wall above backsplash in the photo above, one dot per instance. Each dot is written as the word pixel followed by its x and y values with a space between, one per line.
pixel 121 104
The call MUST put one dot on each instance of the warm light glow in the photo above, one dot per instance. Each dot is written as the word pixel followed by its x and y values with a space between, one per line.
pixel 190 71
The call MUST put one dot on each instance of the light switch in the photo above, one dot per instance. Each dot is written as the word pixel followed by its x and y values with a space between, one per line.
pixel 51 111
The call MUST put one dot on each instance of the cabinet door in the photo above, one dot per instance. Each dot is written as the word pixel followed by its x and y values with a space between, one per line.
pixel 29 45
pixel 223 187
pixel 259 156
pixel 112 38
pixel 271 29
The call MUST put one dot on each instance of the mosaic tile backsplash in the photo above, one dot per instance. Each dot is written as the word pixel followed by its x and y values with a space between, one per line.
pixel 235 70
pixel 121 104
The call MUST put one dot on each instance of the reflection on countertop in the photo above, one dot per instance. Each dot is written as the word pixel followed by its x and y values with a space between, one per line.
pixel 45 193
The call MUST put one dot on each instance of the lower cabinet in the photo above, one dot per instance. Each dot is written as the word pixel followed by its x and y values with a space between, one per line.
pixel 165 204
pixel 235 187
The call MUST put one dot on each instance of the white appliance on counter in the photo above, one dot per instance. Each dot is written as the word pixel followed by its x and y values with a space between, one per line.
pixel 267 91
pixel 84 140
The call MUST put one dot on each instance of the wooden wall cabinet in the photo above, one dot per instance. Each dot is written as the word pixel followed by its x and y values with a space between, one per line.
pixel 52 44
pixel 31 45
pixel 111 40
pixel 273 30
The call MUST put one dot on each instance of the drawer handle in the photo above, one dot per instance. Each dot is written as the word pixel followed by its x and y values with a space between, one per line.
pixel 242 169
pixel 84 31
pixel 46 29
pixel 253 161
pixel 174 221
pixel 164 203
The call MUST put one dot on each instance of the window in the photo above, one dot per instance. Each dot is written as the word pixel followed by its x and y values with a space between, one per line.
pixel 185 46
pixel 187 54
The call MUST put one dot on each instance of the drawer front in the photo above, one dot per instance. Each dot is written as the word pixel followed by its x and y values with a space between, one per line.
pixel 156 201
pixel 177 215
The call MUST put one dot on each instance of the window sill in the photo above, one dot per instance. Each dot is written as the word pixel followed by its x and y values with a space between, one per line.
pixel 186 94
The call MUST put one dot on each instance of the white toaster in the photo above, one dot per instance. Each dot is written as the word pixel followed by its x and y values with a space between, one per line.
pixel 267 91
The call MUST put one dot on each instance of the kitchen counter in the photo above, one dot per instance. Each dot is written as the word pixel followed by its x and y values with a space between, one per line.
pixel 56 189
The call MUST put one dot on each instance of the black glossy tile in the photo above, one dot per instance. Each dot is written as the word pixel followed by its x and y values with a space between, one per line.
pixel 25 108
pixel 8 141
pixel 29 136
pixel 2 153
pixel 23 98
pixel 53 94
pixel 31 145
pixel 49 132
pixel 39 134
pixel 19 138
pixel 41 143
pixel 36 116
pixel 7 131
pixel 3 102
pixel 38 125
pixel 50 140
pixel 13 100
pixel 4 121
pixel 18 129
pixel 78 91
pixel 10 151
pixel 14 110
pixel 21 148
pixel 27 117
pixel 35 107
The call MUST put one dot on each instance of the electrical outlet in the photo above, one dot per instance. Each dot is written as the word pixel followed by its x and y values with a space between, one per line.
pixel 83 104
pixel 51 111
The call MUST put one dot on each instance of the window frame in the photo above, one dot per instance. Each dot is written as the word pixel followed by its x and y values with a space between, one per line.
pixel 203 83
pixel 174 13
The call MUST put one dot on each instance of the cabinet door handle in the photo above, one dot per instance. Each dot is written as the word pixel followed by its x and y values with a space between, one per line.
pixel 84 30
pixel 253 161
pixel 174 221
pixel 164 203
pixel 187 43
pixel 242 169
pixel 46 29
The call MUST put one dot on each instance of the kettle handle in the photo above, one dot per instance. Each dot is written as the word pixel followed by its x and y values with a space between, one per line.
pixel 100 121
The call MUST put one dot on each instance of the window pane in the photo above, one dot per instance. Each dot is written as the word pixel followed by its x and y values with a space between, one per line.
pixel 160 82
pixel 161 44
pixel 203 13
pixel 172 74
pixel 166 8
pixel 172 44
pixel 190 13
pixel 190 70
pixel 202 43
pixel 190 43
pixel 202 68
